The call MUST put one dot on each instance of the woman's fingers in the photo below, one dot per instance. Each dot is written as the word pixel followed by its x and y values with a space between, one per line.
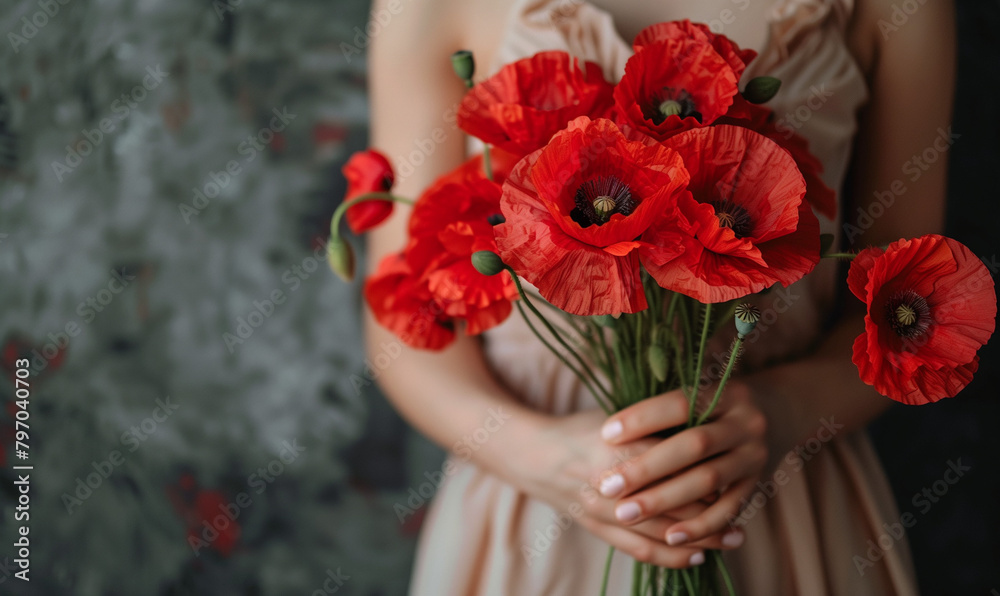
pixel 713 520
pixel 643 548
pixel 691 485
pixel 672 456
pixel 646 417
pixel 658 529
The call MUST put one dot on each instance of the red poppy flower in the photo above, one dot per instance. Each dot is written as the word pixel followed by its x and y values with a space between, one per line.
pixel 744 226
pixel 575 209
pixel 761 119
pixel 450 222
pixel 931 306
pixel 366 172
pixel 673 85
pixel 402 303
pixel 210 512
pixel 737 58
pixel 523 105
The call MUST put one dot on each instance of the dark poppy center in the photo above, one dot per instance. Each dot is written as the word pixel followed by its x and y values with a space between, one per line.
pixel 598 199
pixel 734 217
pixel 670 102
pixel 908 314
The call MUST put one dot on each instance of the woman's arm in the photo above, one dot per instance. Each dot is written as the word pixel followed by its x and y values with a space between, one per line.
pixel 910 70
pixel 911 76
pixel 446 395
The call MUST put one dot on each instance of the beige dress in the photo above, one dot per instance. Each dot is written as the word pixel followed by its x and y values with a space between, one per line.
pixel 803 540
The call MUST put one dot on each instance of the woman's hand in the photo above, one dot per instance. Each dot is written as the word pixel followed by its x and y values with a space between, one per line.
pixel 571 460
pixel 717 463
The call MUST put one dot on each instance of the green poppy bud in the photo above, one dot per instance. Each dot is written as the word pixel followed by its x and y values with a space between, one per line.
pixel 464 64
pixel 487 262
pixel 657 362
pixel 341 258
pixel 761 89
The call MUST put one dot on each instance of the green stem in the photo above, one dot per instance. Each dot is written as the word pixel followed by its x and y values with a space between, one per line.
pixel 372 196
pixel 607 571
pixel 488 163
pixel 552 349
pixel 687 581
pixel 584 366
pixel 840 255
pixel 725 572
pixel 696 375
pixel 733 355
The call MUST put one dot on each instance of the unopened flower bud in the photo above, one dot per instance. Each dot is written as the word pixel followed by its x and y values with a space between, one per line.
pixel 341 258
pixel 657 362
pixel 761 89
pixel 487 262
pixel 464 64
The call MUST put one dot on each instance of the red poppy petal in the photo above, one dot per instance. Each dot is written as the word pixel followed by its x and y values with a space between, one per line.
pixel 861 266
pixel 736 58
pixel 573 276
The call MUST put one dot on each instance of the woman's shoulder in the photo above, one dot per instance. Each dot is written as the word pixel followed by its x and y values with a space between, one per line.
pixel 876 23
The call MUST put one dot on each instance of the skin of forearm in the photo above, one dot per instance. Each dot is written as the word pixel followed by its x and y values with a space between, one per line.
pixel 798 396
pixel 453 398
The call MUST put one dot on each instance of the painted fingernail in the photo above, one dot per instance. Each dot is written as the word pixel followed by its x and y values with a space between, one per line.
pixel 612 485
pixel 611 430
pixel 697 559
pixel 733 539
pixel 627 512
pixel 677 538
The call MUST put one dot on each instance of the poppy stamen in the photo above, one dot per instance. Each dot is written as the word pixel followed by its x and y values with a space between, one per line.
pixel 908 314
pixel 734 217
pixel 669 102
pixel 599 199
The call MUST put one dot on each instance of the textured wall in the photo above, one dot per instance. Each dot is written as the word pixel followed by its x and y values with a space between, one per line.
pixel 168 170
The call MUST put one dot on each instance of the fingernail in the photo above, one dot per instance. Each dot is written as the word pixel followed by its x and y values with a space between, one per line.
pixel 612 485
pixel 733 539
pixel 697 559
pixel 627 512
pixel 677 538
pixel 611 430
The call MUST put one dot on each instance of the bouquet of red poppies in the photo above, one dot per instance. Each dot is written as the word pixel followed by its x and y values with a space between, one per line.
pixel 641 213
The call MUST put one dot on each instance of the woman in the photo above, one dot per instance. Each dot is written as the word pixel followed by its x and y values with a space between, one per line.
pixel 532 509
